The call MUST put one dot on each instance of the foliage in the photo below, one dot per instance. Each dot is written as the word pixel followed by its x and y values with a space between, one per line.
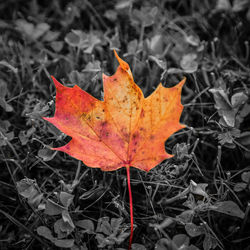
pixel 199 199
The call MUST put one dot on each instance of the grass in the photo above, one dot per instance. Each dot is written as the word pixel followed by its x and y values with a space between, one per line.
pixel 199 199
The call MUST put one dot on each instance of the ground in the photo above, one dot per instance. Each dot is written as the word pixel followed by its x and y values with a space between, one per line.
pixel 198 199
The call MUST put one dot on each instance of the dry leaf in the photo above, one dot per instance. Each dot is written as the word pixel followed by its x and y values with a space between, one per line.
pixel 125 129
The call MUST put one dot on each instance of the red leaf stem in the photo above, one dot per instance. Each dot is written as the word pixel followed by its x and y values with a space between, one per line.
pixel 131 208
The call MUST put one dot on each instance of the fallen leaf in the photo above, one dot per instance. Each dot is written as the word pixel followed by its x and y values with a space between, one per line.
pixel 125 129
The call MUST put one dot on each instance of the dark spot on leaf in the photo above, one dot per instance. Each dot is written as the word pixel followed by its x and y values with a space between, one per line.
pixel 125 99
pixel 125 134
pixel 126 137
pixel 83 115
pixel 104 124
pixel 135 135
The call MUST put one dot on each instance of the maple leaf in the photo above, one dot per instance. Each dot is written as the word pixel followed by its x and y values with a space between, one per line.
pixel 125 129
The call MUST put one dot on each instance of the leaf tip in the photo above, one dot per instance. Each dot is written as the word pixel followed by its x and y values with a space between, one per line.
pixel 182 82
pixel 57 84
pixel 49 119
pixel 45 118
pixel 122 63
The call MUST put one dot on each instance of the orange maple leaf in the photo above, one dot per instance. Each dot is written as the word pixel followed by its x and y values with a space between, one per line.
pixel 124 130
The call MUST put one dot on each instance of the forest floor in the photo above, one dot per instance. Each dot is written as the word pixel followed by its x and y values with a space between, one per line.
pixel 200 198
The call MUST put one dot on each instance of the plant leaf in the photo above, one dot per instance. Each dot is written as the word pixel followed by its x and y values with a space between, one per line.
pixel 67 219
pixel 46 154
pixel 209 242
pixel 88 225
pixel 62 228
pixel 229 208
pixel 125 129
pixel 194 230
pixel 53 208
pixel 137 246
pixel 189 63
pixel 181 241
pixel 240 186
pixel 66 199
pixel 103 226
pixel 65 243
pixel 45 232
pixel 28 189
pixel 162 244
pixel 245 176
pixel 115 224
